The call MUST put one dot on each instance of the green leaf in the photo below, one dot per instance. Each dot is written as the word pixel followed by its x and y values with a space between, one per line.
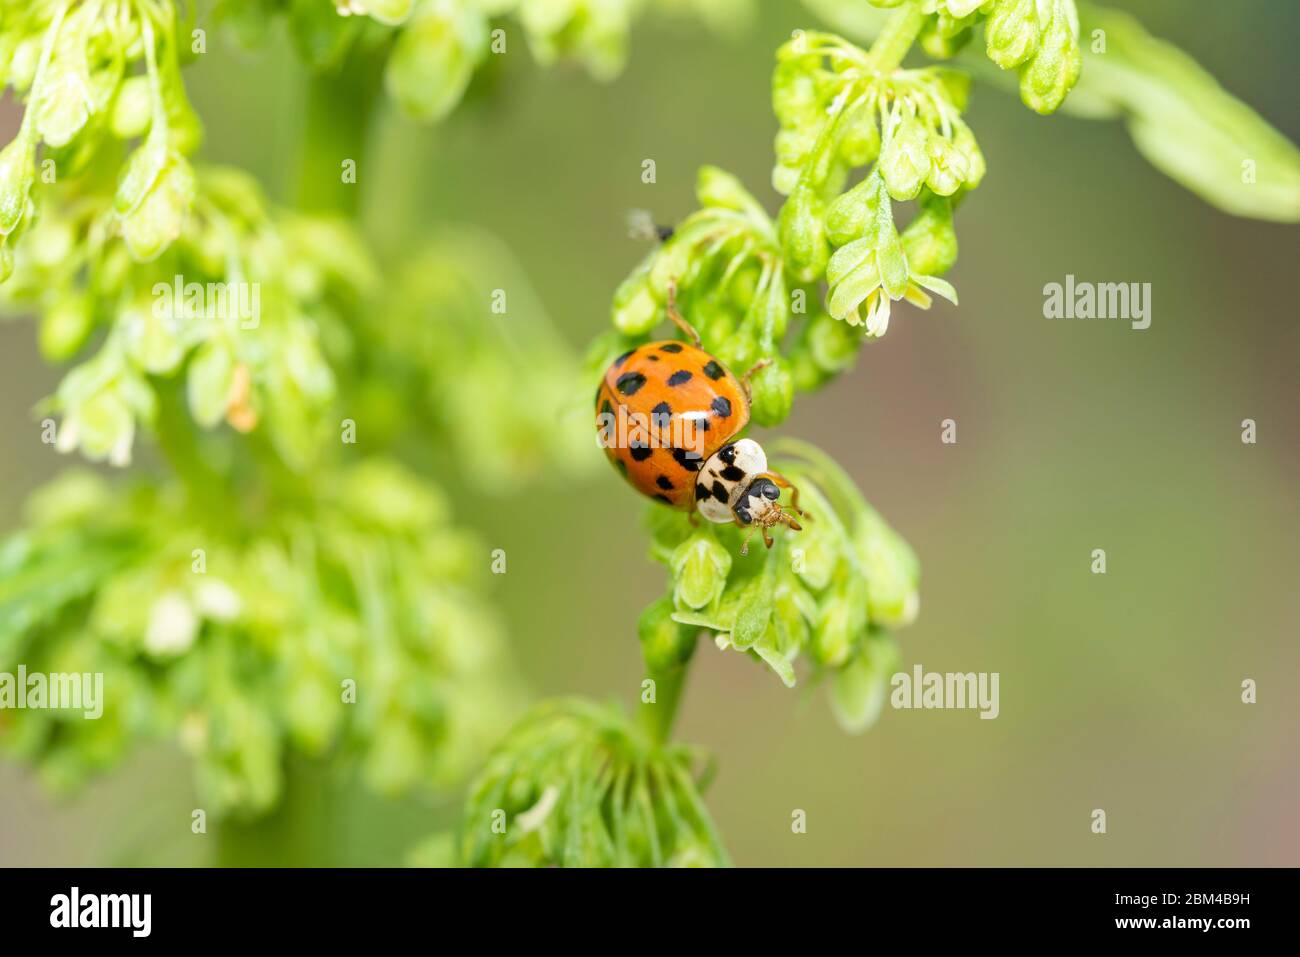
pixel 1186 124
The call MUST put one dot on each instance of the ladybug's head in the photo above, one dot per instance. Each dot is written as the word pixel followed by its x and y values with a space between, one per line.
pixel 759 506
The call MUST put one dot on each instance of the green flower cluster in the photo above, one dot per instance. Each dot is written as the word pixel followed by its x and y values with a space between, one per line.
pixel 233 307
pixel 435 47
pixel 576 785
pixel 830 594
pixel 77 65
pixel 841 109
pixel 347 623
pixel 1040 38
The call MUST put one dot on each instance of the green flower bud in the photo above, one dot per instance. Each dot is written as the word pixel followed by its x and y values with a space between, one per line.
pixel 17 173
pixel 102 426
pixel 65 326
pixel 851 213
pixel 785 177
pixel 773 394
pixel 158 220
pixel 892 573
pixel 142 170
pixel 665 643
pixel 208 382
pixel 803 237
pixel 808 377
pixel 905 160
pixel 22 68
pixel 63 109
pixel 718 188
pixel 1051 74
pixel 1011 32
pixel 743 285
pixel 132 109
pixel 948 167
pixel 795 99
pixel 433 60
pixel 964 140
pixel 634 310
pixel 930 242
pixel 390 12
pixel 700 566
pixel 152 340
pixel 740 351
pixel 835 630
pixel 860 141
pixel 860 688
pixel 832 345
pixel 944 37
pixel 670 264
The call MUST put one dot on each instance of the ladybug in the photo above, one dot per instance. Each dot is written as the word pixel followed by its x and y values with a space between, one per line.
pixel 668 413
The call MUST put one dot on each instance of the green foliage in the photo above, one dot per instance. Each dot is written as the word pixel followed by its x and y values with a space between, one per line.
pixel 237 632
pixel 576 785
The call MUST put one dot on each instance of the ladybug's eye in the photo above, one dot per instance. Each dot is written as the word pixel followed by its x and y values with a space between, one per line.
pixel 770 491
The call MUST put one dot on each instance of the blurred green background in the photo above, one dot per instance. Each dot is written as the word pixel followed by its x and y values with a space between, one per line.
pixel 1119 691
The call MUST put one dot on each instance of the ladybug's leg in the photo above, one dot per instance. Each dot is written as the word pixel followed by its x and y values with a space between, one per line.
pixel 767 538
pixel 676 316
pixel 694 516
pixel 745 379
pixel 784 482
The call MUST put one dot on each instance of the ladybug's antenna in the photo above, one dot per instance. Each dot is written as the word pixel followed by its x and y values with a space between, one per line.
pixel 641 225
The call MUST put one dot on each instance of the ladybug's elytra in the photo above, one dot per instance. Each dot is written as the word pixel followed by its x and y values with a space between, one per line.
pixel 668 413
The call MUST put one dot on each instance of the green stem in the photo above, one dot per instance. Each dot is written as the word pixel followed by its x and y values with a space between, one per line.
pixel 656 719
pixel 340 104
pixel 900 32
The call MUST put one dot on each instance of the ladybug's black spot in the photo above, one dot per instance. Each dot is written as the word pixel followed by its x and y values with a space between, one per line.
pixel 652 357
pixel 733 473
pixel 679 377
pixel 690 461
pixel 721 405
pixel 671 347
pixel 702 492
pixel 719 491
pixel 665 499
pixel 660 415
pixel 728 453
pixel 714 371
pixel 640 451
pixel 663 483
pixel 629 383
pixel 623 358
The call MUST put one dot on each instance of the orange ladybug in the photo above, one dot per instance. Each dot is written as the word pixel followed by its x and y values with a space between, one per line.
pixel 667 414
